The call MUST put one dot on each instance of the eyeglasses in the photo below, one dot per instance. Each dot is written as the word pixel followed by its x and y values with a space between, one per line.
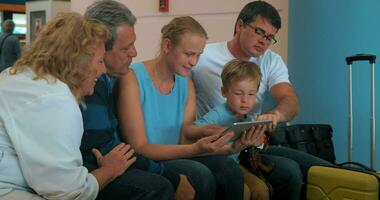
pixel 261 32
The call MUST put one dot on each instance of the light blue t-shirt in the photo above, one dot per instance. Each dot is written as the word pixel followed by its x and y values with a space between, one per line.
pixel 222 116
pixel 219 115
pixel 163 114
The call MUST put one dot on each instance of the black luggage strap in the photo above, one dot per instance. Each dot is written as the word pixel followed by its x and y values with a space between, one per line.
pixel 356 165
pixel 2 42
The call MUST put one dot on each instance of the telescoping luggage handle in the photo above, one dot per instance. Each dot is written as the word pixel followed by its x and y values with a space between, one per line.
pixel 371 59
pixel 361 57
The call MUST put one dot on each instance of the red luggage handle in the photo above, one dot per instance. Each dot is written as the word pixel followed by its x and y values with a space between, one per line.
pixel 358 57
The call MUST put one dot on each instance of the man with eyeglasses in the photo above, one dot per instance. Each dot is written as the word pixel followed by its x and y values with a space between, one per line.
pixel 255 30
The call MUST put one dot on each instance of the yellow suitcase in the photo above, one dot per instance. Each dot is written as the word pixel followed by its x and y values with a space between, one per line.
pixel 340 183
pixel 356 181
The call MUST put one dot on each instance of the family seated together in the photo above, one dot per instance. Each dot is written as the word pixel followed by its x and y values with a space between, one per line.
pixel 79 121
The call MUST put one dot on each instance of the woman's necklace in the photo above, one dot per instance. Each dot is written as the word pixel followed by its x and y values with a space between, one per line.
pixel 164 86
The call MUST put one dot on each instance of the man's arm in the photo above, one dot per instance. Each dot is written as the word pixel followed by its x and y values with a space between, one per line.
pixel 287 102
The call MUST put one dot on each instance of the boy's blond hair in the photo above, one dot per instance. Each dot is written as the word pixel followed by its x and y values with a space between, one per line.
pixel 237 70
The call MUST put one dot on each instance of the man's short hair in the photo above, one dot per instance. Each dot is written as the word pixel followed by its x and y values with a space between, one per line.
pixel 8 26
pixel 254 9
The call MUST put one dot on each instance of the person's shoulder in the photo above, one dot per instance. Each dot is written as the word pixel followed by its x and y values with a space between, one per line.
pixel 33 91
pixel 138 69
pixel 220 111
pixel 220 108
pixel 101 83
pixel 102 79
pixel 220 115
pixel 213 52
pixel 100 90
pixel 13 36
pixel 136 65
pixel 183 79
pixel 270 54
pixel 213 44
pixel 211 47
pixel 46 85
pixel 268 59
pixel 211 117
pixel 11 39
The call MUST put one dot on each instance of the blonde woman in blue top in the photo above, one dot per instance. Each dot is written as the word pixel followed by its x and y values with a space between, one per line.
pixel 157 104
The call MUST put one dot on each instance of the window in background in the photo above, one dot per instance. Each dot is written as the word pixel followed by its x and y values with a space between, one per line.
pixel 20 21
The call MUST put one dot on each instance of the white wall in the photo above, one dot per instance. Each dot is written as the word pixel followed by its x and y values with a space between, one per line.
pixel 50 7
pixel 217 17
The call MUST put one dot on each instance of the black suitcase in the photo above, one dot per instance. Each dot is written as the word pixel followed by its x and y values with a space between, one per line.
pixel 315 139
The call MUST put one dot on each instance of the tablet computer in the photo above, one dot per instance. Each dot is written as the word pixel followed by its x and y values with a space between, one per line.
pixel 239 127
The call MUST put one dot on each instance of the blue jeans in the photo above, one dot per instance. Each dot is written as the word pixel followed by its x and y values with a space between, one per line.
pixel 290 170
pixel 136 184
pixel 200 177
pixel 213 177
pixel 228 176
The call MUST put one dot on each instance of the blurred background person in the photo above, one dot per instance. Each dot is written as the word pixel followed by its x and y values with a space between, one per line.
pixel 10 49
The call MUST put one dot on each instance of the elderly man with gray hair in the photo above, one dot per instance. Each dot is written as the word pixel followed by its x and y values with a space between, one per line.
pixel 10 49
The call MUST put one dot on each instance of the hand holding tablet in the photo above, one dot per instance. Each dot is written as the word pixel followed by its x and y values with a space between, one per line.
pixel 239 127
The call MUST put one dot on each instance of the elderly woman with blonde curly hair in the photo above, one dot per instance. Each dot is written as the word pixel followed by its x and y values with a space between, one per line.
pixel 40 120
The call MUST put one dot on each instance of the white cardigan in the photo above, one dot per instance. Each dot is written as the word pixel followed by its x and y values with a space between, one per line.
pixel 40 134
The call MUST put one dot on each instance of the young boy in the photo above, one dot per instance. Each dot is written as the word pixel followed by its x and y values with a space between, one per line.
pixel 240 83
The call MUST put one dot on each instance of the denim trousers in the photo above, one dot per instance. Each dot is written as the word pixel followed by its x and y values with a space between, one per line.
pixel 213 177
pixel 290 170
pixel 136 184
